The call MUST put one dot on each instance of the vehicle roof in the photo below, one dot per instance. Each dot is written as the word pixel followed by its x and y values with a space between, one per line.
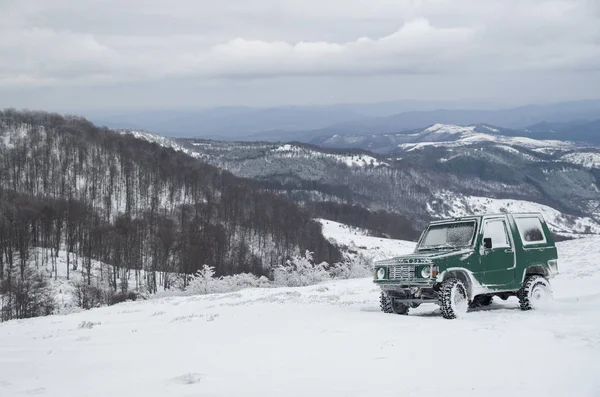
pixel 478 217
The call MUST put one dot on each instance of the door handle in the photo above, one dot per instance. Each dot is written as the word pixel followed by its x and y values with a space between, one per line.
pixel 509 251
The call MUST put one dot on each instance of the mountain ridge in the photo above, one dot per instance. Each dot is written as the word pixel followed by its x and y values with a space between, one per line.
pixel 304 123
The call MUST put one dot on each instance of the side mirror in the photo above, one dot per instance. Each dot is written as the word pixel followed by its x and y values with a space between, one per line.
pixel 487 243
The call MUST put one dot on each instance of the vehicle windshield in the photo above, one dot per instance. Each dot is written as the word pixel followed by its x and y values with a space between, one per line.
pixel 448 235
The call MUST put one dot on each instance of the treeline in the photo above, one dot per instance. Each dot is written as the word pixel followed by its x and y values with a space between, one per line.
pixel 381 223
pixel 69 185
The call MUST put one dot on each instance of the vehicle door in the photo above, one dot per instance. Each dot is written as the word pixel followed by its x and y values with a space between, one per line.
pixel 497 261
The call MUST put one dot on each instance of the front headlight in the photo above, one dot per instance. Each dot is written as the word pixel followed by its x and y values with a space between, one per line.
pixel 426 272
pixel 381 273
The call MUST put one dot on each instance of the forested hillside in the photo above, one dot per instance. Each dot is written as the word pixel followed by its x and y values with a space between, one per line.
pixel 416 181
pixel 66 184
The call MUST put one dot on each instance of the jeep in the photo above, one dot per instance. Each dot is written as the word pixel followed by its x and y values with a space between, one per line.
pixel 465 262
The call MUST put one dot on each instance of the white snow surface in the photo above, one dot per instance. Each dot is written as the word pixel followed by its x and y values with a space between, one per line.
pixel 323 340
pixel 358 240
pixel 557 222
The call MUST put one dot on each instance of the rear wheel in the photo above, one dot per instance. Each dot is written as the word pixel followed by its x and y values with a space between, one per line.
pixel 453 298
pixel 534 293
pixel 389 306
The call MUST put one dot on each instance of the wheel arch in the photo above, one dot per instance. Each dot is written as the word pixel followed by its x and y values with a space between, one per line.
pixel 463 275
pixel 535 270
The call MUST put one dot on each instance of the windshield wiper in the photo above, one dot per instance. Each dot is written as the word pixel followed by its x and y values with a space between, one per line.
pixel 432 247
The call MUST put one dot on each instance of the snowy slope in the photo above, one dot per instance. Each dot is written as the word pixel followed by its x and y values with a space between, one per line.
pixel 357 240
pixel 585 159
pixel 325 340
pixel 55 269
pixel 460 205
pixel 449 135
pixel 162 141
pixel 269 150
pixel 355 160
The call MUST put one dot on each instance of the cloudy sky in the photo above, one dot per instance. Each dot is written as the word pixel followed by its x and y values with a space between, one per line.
pixel 67 54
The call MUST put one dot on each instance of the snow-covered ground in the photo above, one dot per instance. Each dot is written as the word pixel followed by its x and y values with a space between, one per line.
pixel 558 222
pixel 55 269
pixel 358 241
pixel 323 340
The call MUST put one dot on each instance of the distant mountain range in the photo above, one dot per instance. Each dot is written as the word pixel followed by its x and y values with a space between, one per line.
pixel 306 124
pixel 423 174
pixel 453 135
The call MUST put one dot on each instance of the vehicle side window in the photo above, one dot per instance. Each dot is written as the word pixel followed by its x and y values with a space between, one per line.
pixel 496 230
pixel 530 230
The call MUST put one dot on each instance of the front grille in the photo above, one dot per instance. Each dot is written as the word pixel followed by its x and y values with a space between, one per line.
pixel 401 272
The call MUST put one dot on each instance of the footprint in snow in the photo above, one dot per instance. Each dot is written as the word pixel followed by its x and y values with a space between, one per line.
pixel 88 324
pixel 39 390
pixel 189 378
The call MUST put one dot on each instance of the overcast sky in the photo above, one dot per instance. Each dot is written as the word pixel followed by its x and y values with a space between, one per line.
pixel 67 54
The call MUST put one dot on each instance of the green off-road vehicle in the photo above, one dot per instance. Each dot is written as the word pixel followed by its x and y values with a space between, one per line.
pixel 463 263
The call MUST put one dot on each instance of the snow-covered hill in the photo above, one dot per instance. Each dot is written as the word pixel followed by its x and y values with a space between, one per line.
pixel 461 205
pixel 588 159
pixel 161 140
pixel 448 135
pixel 357 241
pixel 328 339
pixel 441 135
pixel 351 160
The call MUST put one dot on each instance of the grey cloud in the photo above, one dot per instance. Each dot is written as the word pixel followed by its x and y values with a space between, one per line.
pixel 62 43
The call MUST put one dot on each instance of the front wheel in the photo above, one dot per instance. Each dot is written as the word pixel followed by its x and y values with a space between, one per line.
pixel 388 306
pixel 453 298
pixel 534 293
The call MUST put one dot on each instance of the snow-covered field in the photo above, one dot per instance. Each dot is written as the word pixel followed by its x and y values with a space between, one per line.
pixel 323 340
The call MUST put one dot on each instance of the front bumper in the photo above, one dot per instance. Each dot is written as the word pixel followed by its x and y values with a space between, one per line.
pixel 410 291
pixel 418 282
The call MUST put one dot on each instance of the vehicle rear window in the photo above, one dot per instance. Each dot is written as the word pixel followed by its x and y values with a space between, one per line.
pixel 530 230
